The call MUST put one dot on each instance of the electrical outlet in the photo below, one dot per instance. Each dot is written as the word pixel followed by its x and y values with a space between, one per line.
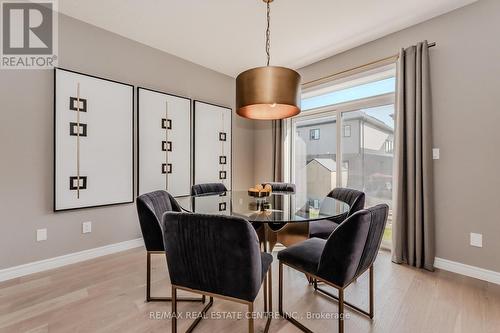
pixel 435 153
pixel 86 227
pixel 41 235
pixel 476 239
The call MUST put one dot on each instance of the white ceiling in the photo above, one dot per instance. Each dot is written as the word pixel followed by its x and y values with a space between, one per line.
pixel 228 35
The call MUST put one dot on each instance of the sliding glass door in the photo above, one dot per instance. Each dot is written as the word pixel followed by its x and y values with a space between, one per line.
pixel 347 144
pixel 367 155
pixel 315 155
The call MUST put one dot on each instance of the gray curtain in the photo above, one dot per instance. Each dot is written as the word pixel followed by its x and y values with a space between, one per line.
pixel 413 224
pixel 277 133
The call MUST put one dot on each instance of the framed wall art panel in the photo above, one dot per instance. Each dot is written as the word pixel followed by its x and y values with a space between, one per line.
pixel 212 144
pixel 93 141
pixel 164 142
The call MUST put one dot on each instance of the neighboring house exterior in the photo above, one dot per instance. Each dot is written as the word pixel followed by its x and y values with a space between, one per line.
pixel 322 177
pixel 367 152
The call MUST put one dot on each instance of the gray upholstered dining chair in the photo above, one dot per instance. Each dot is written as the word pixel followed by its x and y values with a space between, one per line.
pixel 356 201
pixel 281 187
pixel 350 251
pixel 208 188
pixel 150 208
pixel 217 256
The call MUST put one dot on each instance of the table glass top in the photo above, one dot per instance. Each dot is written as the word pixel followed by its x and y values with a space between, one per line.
pixel 278 207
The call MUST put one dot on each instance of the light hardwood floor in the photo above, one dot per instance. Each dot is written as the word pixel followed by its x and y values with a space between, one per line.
pixel 107 295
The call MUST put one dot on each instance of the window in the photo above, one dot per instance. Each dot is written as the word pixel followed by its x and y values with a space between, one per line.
pixel 389 146
pixel 357 141
pixel 314 203
pixel 315 161
pixel 375 88
pixel 314 134
pixel 347 131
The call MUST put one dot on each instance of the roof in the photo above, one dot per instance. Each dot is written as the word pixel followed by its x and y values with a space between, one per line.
pixel 328 163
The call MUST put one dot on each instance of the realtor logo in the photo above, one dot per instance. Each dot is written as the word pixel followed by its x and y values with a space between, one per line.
pixel 29 34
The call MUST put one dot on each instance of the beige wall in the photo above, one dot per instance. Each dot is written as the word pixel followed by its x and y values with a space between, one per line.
pixel 26 127
pixel 465 85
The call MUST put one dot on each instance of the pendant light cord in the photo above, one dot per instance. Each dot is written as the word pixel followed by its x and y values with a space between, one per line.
pixel 268 34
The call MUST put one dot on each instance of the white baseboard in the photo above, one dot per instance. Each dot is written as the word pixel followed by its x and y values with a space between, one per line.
pixel 72 258
pixel 467 270
pixel 46 264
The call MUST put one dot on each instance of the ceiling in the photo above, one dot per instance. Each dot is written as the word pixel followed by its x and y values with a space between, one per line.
pixel 229 35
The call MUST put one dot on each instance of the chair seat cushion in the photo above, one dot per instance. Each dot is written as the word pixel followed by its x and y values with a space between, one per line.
pixel 304 255
pixel 266 260
pixel 322 229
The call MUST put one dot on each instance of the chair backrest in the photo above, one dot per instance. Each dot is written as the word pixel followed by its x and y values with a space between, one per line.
pixel 208 188
pixel 354 198
pixel 353 246
pixel 281 187
pixel 213 253
pixel 150 208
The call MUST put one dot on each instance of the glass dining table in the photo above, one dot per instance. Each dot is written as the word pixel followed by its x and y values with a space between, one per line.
pixel 285 216
pixel 281 218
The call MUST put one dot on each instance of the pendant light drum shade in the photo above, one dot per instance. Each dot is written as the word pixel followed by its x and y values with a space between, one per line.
pixel 267 93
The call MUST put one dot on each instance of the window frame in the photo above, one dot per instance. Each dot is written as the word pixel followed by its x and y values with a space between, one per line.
pixel 313 137
pixel 345 127
pixel 337 111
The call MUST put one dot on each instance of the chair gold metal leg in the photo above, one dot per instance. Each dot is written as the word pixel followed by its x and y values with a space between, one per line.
pixel 250 317
pixel 202 314
pixel 148 277
pixel 269 314
pixel 280 303
pixel 372 308
pixel 179 299
pixel 280 289
pixel 270 288
pixel 163 299
pixel 341 310
pixel 352 306
pixel 174 309
pixel 340 298
pixel 265 293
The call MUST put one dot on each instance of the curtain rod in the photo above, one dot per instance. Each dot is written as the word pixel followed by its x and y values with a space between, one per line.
pixel 370 64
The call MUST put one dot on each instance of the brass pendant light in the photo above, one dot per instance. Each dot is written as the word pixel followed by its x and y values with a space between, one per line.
pixel 269 92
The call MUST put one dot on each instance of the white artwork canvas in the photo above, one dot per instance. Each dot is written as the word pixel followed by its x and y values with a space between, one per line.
pixel 164 142
pixel 93 141
pixel 212 144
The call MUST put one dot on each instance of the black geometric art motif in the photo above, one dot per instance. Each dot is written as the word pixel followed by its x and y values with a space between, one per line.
pixel 222 174
pixel 166 168
pixel 73 183
pixel 166 145
pixel 222 206
pixel 74 129
pixel 222 160
pixel 73 104
pixel 222 136
pixel 166 123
